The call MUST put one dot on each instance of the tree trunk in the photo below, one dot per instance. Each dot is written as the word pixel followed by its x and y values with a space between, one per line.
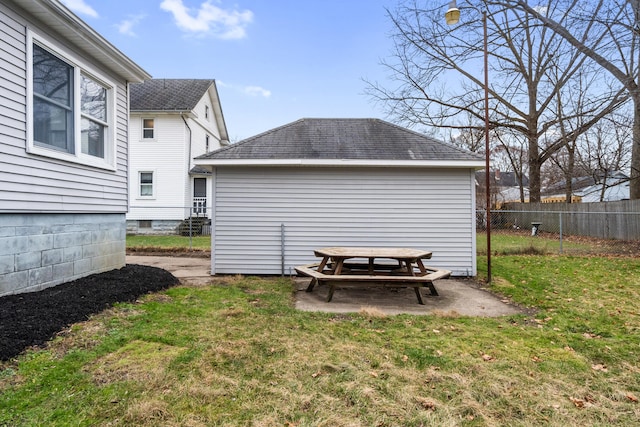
pixel 534 170
pixel 568 174
pixel 634 184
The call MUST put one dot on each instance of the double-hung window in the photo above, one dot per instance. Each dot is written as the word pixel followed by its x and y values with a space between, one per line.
pixel 71 108
pixel 146 184
pixel 148 128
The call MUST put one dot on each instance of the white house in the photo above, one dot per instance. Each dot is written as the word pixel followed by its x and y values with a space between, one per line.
pixel 608 186
pixel 340 182
pixel 172 121
pixel 64 94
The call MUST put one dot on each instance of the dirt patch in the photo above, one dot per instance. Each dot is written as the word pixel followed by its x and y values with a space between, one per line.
pixel 170 252
pixel 32 319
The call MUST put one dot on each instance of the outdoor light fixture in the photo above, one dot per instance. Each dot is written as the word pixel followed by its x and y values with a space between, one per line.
pixel 453 14
pixel 452 17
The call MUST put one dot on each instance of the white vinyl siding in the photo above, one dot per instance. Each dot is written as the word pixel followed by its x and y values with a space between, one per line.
pixel 430 209
pixel 171 155
pixel 167 157
pixel 40 183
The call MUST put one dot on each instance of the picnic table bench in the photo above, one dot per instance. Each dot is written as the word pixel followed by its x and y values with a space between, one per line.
pixel 334 271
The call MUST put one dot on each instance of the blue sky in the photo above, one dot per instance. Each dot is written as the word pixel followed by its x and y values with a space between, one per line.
pixel 274 61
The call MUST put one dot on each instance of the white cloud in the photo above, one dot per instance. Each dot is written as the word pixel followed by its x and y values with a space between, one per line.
pixel 209 19
pixel 126 26
pixel 257 91
pixel 80 7
pixel 247 90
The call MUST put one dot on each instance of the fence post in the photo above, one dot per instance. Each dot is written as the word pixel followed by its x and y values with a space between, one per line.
pixel 560 213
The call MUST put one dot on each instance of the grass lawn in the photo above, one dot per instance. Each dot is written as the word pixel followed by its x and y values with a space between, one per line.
pixel 140 242
pixel 237 353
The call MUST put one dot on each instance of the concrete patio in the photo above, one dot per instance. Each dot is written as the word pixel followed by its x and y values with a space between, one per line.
pixel 456 296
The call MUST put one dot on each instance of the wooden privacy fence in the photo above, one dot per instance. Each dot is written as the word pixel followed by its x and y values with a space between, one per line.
pixel 607 220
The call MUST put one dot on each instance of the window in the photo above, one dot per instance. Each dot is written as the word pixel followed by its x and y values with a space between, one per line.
pixel 206 144
pixel 52 101
pixel 94 116
pixel 70 114
pixel 148 126
pixel 146 184
pixel 206 111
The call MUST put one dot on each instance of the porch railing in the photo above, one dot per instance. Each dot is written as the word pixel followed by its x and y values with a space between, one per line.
pixel 199 206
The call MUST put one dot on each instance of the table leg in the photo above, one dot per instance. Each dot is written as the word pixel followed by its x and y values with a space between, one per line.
pixel 313 282
pixel 323 264
pixel 331 289
pixel 409 267
pixel 421 266
pixel 417 289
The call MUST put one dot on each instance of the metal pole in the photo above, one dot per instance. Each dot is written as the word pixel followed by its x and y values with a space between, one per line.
pixel 190 232
pixel 486 137
pixel 282 249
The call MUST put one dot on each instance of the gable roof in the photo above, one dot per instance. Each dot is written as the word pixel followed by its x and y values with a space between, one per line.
pixel 342 141
pixel 582 182
pixel 61 20
pixel 502 179
pixel 168 94
pixel 177 96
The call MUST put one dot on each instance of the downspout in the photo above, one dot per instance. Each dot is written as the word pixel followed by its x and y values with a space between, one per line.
pixel 190 196
pixel 190 133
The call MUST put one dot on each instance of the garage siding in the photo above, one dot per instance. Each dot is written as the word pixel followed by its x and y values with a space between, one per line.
pixel 418 208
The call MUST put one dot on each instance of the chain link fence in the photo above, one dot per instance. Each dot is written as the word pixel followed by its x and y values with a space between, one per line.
pixel 170 220
pixel 577 230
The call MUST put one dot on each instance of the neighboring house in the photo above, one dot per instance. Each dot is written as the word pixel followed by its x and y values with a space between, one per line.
pixel 340 182
pixel 171 122
pixel 505 188
pixel 63 147
pixel 610 187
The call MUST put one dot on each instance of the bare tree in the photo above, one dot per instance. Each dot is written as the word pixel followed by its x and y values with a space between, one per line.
pixel 571 127
pixel 437 70
pixel 513 148
pixel 605 149
pixel 610 37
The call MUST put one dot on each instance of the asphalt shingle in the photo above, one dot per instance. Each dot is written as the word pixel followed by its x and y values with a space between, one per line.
pixel 168 94
pixel 335 139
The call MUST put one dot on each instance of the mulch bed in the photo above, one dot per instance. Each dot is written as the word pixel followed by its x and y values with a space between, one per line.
pixel 32 319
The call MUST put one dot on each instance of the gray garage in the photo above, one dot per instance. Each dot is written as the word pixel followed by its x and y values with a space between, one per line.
pixel 340 182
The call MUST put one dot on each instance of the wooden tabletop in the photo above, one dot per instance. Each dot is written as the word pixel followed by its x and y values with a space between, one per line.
pixel 354 252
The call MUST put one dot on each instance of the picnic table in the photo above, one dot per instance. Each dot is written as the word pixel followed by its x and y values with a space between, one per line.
pixel 392 267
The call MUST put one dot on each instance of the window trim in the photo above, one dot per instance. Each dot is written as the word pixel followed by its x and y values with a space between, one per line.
pixel 154 176
pixel 80 68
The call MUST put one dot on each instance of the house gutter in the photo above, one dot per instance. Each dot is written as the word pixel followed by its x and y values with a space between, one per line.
pixel 476 164
pixel 190 134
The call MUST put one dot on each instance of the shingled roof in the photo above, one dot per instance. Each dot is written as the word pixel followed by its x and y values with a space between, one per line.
pixel 341 139
pixel 168 94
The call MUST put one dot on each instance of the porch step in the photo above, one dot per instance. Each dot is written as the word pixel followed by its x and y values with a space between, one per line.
pixel 196 226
